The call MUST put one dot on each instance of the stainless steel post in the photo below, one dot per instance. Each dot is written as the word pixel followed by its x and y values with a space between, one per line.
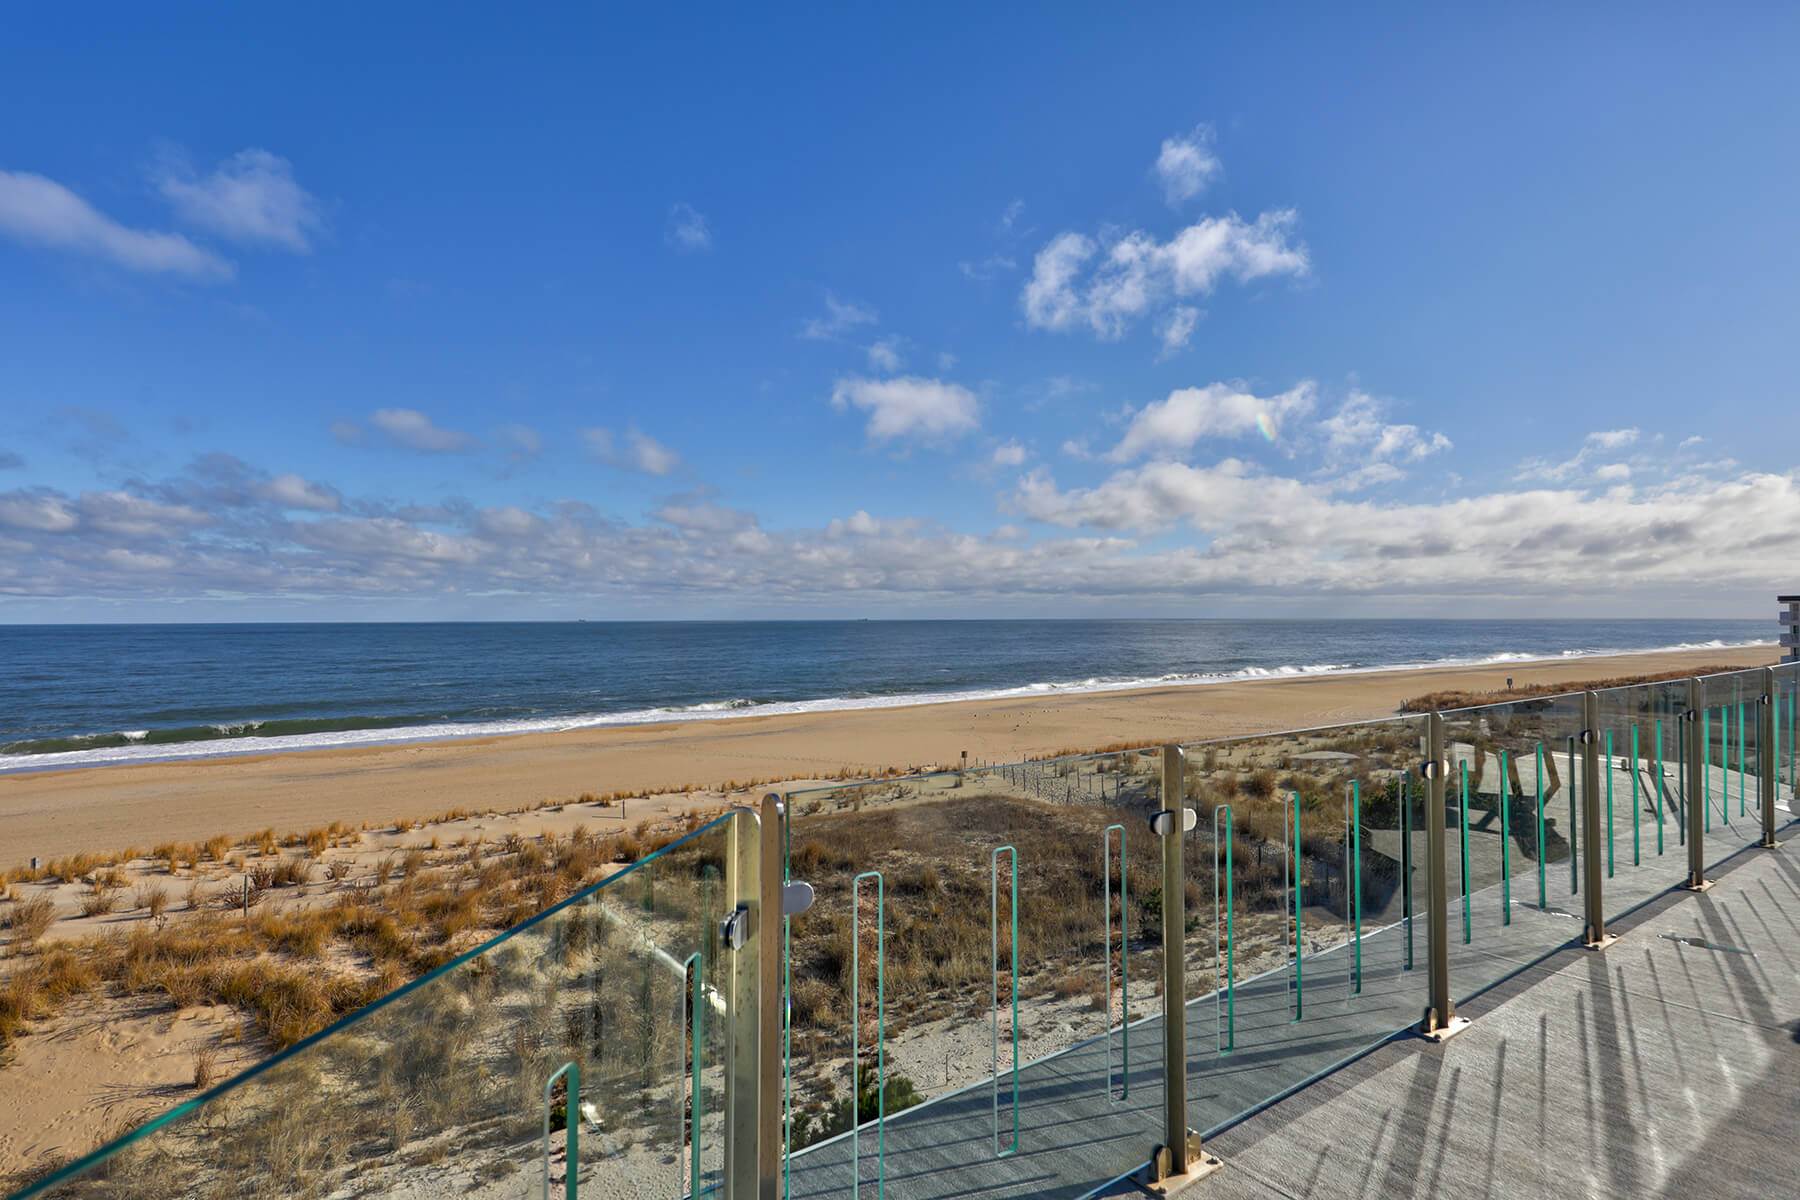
pixel 1174 922
pixel 750 944
pixel 1441 1020
pixel 1180 1159
pixel 1765 757
pixel 1592 841
pixel 1696 790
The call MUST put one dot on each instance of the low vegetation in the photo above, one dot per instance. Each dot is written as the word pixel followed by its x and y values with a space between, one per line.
pixel 1446 700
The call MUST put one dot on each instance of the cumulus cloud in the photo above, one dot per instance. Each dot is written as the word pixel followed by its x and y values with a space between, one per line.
pixel 1282 532
pixel 1149 531
pixel 414 430
pixel 1219 410
pixel 1186 165
pixel 910 407
pixel 250 198
pixel 41 511
pixel 885 356
pixel 1177 326
pixel 1358 430
pixel 840 318
pixel 1009 454
pixel 1599 443
pixel 640 451
pixel 42 212
pixel 293 491
pixel 688 229
pixel 1108 284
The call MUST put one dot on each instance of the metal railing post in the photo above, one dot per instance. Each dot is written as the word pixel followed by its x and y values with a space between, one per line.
pixel 1594 936
pixel 750 943
pixel 1180 1158
pixel 1766 765
pixel 1441 1021
pixel 1696 790
pixel 738 946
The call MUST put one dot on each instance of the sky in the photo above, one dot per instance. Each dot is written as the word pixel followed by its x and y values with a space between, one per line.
pixel 926 310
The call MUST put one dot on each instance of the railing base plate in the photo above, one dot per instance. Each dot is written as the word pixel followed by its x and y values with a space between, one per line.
pixel 1602 944
pixel 1199 1167
pixel 1446 1032
pixel 1705 885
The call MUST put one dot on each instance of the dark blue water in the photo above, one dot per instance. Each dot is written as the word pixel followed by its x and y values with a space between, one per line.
pixel 86 694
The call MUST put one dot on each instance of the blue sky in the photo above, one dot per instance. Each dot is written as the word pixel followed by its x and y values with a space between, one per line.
pixel 1034 310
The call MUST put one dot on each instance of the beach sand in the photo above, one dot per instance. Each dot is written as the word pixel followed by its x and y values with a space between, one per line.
pixel 56 813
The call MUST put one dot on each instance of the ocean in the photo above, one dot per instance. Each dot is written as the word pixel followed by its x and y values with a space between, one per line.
pixel 85 695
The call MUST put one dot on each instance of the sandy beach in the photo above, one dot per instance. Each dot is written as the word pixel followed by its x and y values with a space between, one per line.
pixel 56 813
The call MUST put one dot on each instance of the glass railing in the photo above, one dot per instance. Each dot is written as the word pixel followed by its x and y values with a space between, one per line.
pixel 1300 869
pixel 975 994
pixel 591 1034
pixel 977 977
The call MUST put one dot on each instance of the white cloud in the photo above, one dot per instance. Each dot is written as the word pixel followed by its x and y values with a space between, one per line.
pixel 1593 445
pixel 1134 274
pixel 414 430
pixel 1009 454
pixel 136 516
pixel 1613 471
pixel 840 318
pixel 292 491
pixel 1612 439
pixel 250 198
pixel 1186 165
pixel 1359 431
pixel 1010 217
pixel 42 511
pixel 1218 410
pixel 987 268
pixel 641 452
pixel 688 229
pixel 884 355
pixel 909 406
pixel 42 212
pixel 1149 533
pixel 1177 327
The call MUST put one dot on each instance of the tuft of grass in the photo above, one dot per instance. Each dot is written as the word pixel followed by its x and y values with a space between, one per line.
pixel 30 919
pixel 152 897
pixel 218 847
pixel 99 902
pixel 206 1067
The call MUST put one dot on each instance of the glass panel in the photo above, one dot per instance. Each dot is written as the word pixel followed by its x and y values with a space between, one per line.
pixel 1643 805
pixel 602 1011
pixel 1321 839
pixel 1729 737
pixel 1787 739
pixel 912 996
pixel 1520 764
